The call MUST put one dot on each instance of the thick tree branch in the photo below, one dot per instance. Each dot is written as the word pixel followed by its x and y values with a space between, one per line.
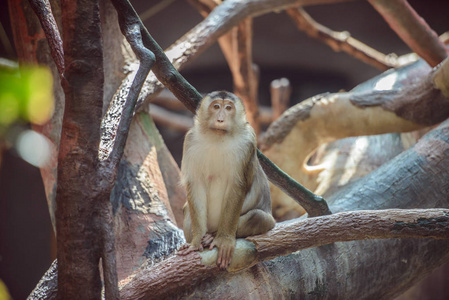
pixel 412 29
pixel 341 41
pixel 286 238
pixel 43 11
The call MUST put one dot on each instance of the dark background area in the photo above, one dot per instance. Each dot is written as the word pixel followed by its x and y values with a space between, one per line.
pixel 279 49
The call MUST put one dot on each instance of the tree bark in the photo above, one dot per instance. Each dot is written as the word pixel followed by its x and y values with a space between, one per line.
pixel 79 249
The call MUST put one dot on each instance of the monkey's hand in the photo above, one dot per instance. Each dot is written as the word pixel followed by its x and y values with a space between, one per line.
pixel 225 245
pixel 188 248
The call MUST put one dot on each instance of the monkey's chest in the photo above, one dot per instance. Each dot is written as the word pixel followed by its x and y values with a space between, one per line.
pixel 218 175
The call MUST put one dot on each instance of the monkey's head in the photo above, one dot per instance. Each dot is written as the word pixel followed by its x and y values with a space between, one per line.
pixel 221 113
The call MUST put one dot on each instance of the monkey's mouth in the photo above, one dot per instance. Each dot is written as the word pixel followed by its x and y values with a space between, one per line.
pixel 218 130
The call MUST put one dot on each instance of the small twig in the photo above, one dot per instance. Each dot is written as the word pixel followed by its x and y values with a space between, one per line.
pixel 341 41
pixel 280 96
pixel 43 11
pixel 412 29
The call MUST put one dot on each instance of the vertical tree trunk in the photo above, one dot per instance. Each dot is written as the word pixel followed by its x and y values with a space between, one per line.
pixel 77 217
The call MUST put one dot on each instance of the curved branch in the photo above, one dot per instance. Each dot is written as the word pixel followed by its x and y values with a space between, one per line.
pixel 131 29
pixel 412 29
pixel 188 271
pixel 342 41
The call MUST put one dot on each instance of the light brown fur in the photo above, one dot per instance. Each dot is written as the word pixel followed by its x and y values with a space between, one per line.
pixel 227 191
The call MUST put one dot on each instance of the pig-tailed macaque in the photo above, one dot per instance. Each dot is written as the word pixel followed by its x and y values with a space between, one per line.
pixel 227 191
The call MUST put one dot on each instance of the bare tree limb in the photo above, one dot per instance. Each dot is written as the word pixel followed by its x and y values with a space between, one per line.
pixel 202 36
pixel 131 29
pixel 244 72
pixel 341 41
pixel 286 238
pixel 42 9
pixel 412 29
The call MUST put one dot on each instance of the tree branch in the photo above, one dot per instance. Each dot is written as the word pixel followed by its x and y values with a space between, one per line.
pixel 189 271
pixel 243 70
pixel 203 35
pixel 131 29
pixel 412 29
pixel 341 41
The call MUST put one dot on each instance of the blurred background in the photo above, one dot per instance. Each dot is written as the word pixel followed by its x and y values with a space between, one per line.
pixel 27 245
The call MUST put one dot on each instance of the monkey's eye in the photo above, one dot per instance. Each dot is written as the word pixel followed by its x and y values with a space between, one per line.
pixel 228 107
pixel 216 106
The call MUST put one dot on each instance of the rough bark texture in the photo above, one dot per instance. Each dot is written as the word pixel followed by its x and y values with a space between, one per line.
pixel 174 276
pixel 79 249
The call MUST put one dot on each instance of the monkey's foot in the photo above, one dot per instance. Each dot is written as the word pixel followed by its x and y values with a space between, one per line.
pixel 187 248
pixel 207 239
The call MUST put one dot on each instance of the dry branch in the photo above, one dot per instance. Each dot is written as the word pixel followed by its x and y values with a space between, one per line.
pixel 341 41
pixel 412 29
pixel 244 72
pixel 202 36
pixel 185 272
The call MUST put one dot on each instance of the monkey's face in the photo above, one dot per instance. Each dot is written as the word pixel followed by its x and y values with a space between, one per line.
pixel 221 115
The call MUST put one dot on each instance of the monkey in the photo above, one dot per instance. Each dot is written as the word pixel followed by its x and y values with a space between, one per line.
pixel 228 195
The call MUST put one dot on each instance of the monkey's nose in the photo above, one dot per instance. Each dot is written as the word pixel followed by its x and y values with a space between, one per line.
pixel 220 121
